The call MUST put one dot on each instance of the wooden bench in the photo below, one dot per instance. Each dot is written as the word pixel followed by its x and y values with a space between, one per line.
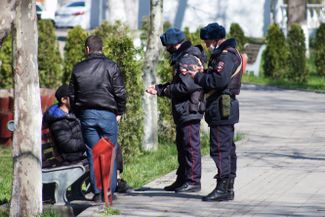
pixel 53 171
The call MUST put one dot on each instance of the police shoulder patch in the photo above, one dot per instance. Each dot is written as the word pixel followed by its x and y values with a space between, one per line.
pixel 220 66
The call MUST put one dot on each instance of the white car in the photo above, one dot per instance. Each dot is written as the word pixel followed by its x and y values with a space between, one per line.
pixel 46 11
pixel 72 14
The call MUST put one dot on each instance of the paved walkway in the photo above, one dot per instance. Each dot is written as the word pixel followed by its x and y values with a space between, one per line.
pixel 281 164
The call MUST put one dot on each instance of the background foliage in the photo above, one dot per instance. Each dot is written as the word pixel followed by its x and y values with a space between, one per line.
pixel 276 53
pixel 49 59
pixel 297 55
pixel 320 50
pixel 237 32
pixel 73 51
pixel 6 76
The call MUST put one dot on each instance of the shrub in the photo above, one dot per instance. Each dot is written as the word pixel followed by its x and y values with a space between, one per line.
pixel 276 53
pixel 73 50
pixel 49 59
pixel 297 50
pixel 6 77
pixel 118 46
pixel 320 50
pixel 166 126
pixel 237 33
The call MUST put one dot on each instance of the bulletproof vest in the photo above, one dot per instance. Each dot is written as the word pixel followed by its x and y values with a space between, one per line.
pixel 235 81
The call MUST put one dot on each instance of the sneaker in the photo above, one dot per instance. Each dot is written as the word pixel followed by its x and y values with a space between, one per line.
pixel 122 186
pixel 98 198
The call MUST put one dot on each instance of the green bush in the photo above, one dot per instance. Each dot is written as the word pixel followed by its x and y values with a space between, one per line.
pixel 49 59
pixel 297 50
pixel 320 50
pixel 166 126
pixel 6 77
pixel 276 54
pixel 73 50
pixel 118 46
pixel 237 33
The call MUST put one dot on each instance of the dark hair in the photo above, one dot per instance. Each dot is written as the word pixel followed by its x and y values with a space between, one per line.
pixel 94 43
pixel 63 91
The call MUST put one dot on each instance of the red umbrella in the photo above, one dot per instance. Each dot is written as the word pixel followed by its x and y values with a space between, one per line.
pixel 104 157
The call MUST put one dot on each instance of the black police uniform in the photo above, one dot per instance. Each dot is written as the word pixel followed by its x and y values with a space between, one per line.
pixel 186 118
pixel 222 78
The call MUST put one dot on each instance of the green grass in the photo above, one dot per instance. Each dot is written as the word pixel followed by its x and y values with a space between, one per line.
pixel 314 83
pixel 6 174
pixel 110 211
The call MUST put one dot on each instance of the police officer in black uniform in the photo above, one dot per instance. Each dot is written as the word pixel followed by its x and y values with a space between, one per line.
pixel 221 82
pixel 187 109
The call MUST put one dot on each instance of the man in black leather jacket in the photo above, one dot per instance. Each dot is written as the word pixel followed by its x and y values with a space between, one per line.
pixel 221 82
pixel 186 112
pixel 100 100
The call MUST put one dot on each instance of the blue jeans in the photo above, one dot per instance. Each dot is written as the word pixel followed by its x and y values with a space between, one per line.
pixel 96 124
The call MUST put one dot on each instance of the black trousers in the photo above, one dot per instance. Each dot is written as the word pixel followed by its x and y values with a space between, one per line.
pixel 189 152
pixel 119 159
pixel 223 150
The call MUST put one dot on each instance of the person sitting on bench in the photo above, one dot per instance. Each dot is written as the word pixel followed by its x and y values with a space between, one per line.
pixel 65 128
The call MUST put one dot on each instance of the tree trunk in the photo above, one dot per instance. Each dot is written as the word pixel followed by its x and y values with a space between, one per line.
pixel 26 197
pixel 149 68
pixel 296 11
pixel 7 16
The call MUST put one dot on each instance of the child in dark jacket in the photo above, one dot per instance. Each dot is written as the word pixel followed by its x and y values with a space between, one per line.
pixel 64 127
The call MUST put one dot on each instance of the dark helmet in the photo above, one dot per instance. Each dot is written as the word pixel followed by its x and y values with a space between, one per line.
pixel 172 36
pixel 212 31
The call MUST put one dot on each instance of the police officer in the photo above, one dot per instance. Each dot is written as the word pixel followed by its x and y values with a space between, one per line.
pixel 187 109
pixel 221 82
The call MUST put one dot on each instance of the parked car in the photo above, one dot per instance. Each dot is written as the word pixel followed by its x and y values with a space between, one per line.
pixel 76 12
pixel 39 10
pixel 43 12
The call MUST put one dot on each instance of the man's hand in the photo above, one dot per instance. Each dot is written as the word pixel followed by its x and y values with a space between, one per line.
pixel 118 118
pixel 190 69
pixel 151 90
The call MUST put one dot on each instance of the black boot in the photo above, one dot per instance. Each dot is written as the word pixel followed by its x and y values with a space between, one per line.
pixel 178 183
pixel 231 189
pixel 220 193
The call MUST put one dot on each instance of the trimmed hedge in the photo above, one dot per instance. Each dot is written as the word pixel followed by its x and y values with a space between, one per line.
pixel 276 54
pixel 118 46
pixel 49 59
pixel 74 51
pixel 297 55
pixel 320 50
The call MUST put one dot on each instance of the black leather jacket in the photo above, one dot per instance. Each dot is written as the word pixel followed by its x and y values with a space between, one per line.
pixel 181 88
pixel 220 79
pixel 98 84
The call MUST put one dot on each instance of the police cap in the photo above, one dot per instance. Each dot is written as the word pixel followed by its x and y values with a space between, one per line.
pixel 172 36
pixel 212 31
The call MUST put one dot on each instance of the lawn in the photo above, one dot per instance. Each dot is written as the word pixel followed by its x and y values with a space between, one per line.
pixel 314 83
pixel 6 173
